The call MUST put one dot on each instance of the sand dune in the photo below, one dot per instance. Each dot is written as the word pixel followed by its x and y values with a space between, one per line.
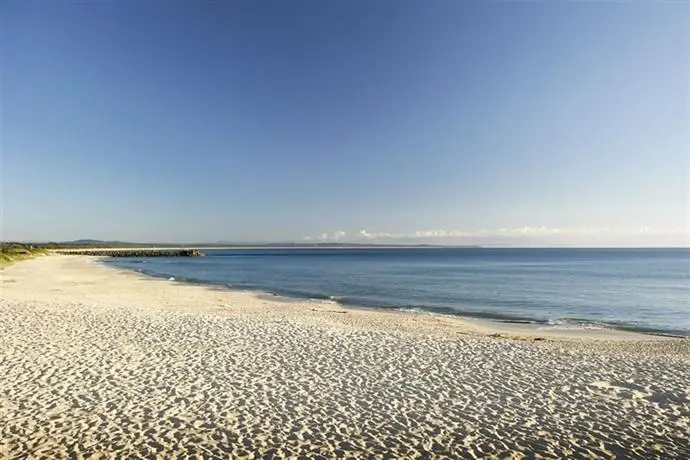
pixel 98 361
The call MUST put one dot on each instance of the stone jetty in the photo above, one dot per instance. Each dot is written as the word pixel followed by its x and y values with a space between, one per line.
pixel 134 252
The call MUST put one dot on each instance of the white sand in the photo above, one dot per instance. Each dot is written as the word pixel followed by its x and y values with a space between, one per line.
pixel 96 360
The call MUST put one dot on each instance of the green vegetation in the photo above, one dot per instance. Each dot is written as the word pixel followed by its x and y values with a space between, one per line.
pixel 13 252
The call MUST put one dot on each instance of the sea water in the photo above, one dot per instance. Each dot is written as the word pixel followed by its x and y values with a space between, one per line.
pixel 638 289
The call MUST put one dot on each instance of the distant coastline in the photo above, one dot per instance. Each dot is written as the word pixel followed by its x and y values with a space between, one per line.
pixel 102 244
pixel 114 244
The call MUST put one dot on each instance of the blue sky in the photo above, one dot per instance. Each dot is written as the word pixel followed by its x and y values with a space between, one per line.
pixel 559 123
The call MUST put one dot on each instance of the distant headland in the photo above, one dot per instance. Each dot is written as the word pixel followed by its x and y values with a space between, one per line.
pixel 105 244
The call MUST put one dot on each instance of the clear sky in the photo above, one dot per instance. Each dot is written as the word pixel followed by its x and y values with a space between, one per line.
pixel 447 121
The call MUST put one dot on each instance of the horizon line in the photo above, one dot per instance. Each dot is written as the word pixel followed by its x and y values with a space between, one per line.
pixel 326 245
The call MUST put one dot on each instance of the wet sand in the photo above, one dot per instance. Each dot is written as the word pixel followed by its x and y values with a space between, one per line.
pixel 95 360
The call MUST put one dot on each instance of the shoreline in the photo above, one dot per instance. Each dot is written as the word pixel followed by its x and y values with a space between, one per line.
pixel 503 325
pixel 99 360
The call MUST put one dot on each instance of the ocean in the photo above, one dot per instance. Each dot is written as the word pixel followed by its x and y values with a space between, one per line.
pixel 633 289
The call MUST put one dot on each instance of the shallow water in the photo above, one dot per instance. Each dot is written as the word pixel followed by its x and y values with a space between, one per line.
pixel 639 289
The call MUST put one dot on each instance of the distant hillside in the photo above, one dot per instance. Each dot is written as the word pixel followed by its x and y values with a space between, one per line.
pixel 93 243
pixel 331 245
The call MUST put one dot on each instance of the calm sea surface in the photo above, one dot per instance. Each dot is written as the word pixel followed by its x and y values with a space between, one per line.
pixel 647 289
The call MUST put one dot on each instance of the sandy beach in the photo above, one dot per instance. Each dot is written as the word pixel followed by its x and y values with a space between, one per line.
pixel 97 362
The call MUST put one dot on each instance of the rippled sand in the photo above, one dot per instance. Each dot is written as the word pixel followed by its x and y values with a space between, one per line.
pixel 98 361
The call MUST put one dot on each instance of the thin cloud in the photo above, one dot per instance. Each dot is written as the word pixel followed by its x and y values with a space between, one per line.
pixel 337 235
pixel 485 234
pixel 365 234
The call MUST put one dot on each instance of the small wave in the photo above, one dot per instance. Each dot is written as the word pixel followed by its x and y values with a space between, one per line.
pixel 322 300
pixel 312 296
pixel 572 323
pixel 414 310
pixel 171 279
pixel 576 323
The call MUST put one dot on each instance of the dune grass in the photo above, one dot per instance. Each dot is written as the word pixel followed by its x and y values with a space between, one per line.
pixel 14 252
